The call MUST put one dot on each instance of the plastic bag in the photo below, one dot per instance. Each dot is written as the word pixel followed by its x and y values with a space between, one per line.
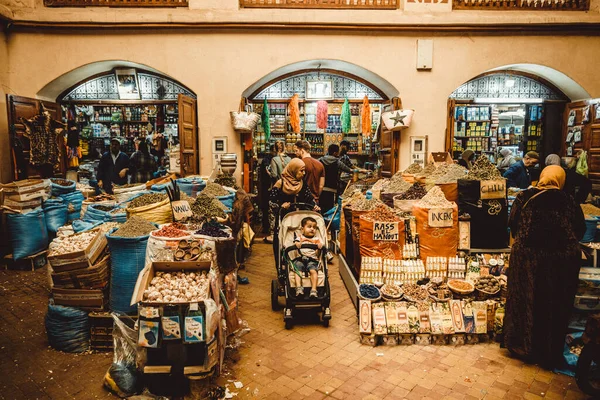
pixel 333 216
pixel 582 165
pixel 73 200
pixel 191 186
pixel 58 190
pixel 28 233
pixel 123 378
pixel 81 226
pixel 55 212
pixel 68 328
pixel 227 200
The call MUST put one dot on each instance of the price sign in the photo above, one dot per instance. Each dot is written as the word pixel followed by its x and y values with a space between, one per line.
pixel 495 189
pixel 440 217
pixel 181 210
pixel 386 231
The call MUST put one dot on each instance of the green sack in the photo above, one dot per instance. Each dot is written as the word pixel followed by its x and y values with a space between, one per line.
pixel 582 165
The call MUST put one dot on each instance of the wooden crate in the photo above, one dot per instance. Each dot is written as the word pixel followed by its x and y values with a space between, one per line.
pixel 32 262
pixel 86 299
pixel 80 259
pixel 94 277
pixel 101 330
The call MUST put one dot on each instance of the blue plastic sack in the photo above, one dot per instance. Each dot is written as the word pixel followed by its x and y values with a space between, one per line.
pixel 161 187
pixel 127 257
pixel 57 190
pixel 68 329
pixel 81 226
pixel 73 201
pixel 227 200
pixel 335 214
pixel 55 213
pixel 191 186
pixel 569 359
pixel 92 214
pixel 590 230
pixel 28 233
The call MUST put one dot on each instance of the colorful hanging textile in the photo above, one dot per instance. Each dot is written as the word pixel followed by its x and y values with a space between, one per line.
pixel 366 117
pixel 294 113
pixel 265 115
pixel 346 118
pixel 322 114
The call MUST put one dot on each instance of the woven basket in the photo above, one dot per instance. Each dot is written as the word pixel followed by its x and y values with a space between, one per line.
pixel 482 294
pixel 366 298
pixel 461 291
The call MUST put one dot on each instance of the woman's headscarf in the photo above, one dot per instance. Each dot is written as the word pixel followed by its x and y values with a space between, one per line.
pixel 289 181
pixel 553 159
pixel 466 155
pixel 552 177
pixel 505 152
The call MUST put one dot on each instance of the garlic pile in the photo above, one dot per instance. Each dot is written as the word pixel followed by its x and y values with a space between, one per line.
pixel 70 244
pixel 177 287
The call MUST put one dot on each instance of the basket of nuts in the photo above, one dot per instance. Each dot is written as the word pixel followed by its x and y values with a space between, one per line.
pixel 487 286
pixel 461 287
pixel 415 293
pixel 391 292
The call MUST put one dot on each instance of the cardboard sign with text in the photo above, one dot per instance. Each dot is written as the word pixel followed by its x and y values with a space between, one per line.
pixel 495 189
pixel 440 217
pixel 181 210
pixel 386 231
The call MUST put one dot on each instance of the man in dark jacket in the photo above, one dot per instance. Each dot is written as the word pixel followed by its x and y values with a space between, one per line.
pixel 518 174
pixel 113 167
pixel 333 168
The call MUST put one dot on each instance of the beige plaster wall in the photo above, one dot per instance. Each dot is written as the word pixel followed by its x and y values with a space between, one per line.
pixel 5 168
pixel 218 67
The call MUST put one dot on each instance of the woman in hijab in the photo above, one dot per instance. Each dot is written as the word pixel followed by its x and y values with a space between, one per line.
pixel 466 158
pixel 544 268
pixel 291 188
pixel 576 185
pixel 506 161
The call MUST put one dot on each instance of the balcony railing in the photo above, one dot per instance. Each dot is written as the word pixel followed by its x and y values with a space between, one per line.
pixel 323 4
pixel 116 3
pixel 529 5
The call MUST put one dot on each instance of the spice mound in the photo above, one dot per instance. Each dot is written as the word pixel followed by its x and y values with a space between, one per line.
pixel 488 284
pixel 382 213
pixel 214 189
pixel 369 291
pixel 212 230
pixel 61 182
pixel 463 287
pixel 146 199
pixel 226 179
pixel 134 227
pixel 71 244
pixel 177 287
pixel 169 231
pixel 414 292
pixel 413 168
pixel 397 185
pixel 206 206
pixel 101 207
pixel 483 170
pixel 415 192
pixel 448 173
pixel 435 198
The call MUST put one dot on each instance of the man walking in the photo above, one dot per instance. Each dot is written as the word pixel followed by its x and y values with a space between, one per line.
pixel 315 172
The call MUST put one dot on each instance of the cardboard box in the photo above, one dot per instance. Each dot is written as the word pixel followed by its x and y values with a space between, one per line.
pixel 24 186
pixel 87 299
pixel 29 196
pixel 80 259
pixel 146 275
pixel 21 205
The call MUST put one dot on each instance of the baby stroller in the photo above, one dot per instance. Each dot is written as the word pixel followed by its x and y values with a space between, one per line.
pixel 287 252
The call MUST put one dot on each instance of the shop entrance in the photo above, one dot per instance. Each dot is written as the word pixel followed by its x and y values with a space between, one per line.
pixel 123 102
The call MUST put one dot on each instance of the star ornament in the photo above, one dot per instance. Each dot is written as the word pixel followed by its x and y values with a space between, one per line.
pixel 398 119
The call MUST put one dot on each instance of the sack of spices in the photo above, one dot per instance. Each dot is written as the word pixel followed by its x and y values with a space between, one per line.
pixel 153 207
pixel 28 233
pixel 55 212
pixel 381 234
pixel 73 200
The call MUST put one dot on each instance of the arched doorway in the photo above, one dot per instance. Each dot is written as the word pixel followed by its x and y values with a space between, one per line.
pixel 508 109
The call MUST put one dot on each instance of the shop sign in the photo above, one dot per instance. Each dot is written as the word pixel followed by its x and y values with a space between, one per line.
pixel 386 231
pixel 181 210
pixel 440 217
pixel 495 189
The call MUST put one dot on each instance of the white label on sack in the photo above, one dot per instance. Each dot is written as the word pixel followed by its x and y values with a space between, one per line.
pixel 181 210
pixel 495 189
pixel 440 217
pixel 386 231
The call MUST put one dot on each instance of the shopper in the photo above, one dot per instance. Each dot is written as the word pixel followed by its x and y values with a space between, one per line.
pixel 345 177
pixel 333 167
pixel 576 185
pixel 518 174
pixel 113 167
pixel 315 172
pixel 289 189
pixel 466 158
pixel 142 164
pixel 308 261
pixel 507 160
pixel 544 267
pixel 265 182
pixel 279 161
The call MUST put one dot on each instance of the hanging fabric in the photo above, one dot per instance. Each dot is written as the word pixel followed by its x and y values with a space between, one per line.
pixel 265 120
pixel 294 112
pixel 366 117
pixel 322 114
pixel 346 117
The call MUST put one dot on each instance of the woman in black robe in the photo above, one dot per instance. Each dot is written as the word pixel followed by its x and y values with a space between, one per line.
pixel 544 267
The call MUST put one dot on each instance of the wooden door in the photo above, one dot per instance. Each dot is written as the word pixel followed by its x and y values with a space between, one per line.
pixel 25 107
pixel 188 136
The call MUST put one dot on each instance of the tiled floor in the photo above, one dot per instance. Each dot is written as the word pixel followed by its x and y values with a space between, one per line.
pixel 314 362
pixel 309 361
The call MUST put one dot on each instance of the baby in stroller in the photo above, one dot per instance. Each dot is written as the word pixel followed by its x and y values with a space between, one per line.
pixel 308 260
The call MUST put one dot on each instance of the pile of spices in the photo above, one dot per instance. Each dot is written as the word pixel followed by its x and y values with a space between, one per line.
pixel 107 226
pixel 483 170
pixel 134 227
pixel 146 199
pixel 61 182
pixel 179 225
pixel 382 213
pixel 226 180
pixel 214 189
pixel 206 206
pixel 589 210
pixel 100 197
pixel 435 198
pixel 397 185
pixel 100 207
pixel 428 170
pixel 365 205
pixel 415 292
pixel 369 291
pixel 117 210
pixel 381 184
pixel 213 231
pixel 415 192
pixel 413 168
pixel 169 231
pixel 449 173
